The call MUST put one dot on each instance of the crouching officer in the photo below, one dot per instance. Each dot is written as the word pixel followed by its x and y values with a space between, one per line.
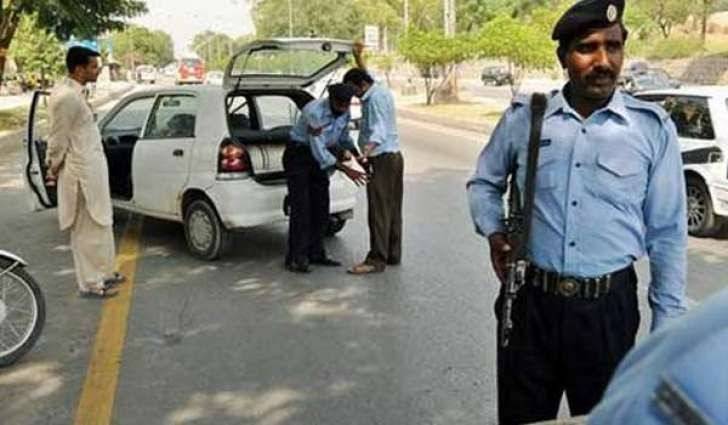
pixel 609 188
pixel 319 144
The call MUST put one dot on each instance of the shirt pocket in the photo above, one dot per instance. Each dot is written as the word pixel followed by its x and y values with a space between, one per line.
pixel 546 174
pixel 619 178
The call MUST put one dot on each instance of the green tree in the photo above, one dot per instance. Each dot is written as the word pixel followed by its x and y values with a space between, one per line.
pixel 82 18
pixel 216 49
pixel 436 56
pixel 138 45
pixel 666 13
pixel 37 50
pixel 522 44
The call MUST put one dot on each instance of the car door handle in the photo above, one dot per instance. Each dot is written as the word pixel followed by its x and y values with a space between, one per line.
pixel 178 152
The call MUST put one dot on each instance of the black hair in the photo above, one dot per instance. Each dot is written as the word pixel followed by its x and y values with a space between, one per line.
pixel 565 42
pixel 79 56
pixel 358 76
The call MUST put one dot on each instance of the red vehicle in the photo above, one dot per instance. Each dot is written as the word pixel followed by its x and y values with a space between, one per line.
pixel 190 71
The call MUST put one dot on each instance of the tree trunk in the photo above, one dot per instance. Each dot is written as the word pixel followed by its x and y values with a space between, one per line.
pixel 447 91
pixel 704 23
pixel 429 92
pixel 9 20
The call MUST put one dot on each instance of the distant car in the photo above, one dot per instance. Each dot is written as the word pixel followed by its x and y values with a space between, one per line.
pixel 496 75
pixel 648 79
pixel 637 67
pixel 214 78
pixel 701 117
pixel 146 74
pixel 210 157
pixel 170 70
pixel 190 71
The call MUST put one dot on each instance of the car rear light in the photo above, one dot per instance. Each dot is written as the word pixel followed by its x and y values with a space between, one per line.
pixel 233 158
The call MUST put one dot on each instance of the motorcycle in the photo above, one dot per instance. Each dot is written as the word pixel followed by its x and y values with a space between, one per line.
pixel 22 309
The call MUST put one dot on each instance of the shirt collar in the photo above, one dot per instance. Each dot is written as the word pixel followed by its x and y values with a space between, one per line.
pixel 369 92
pixel 558 103
pixel 75 85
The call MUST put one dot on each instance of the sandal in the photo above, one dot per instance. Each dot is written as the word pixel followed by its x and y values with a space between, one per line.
pixel 98 293
pixel 365 268
pixel 115 279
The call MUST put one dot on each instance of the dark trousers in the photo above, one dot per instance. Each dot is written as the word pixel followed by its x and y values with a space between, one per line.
pixel 564 345
pixel 384 195
pixel 308 197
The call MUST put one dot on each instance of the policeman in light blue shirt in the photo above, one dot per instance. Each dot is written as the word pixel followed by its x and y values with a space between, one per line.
pixel 609 190
pixel 320 135
pixel 676 376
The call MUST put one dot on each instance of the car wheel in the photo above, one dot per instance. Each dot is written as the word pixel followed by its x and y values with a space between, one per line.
pixel 335 226
pixel 207 238
pixel 702 221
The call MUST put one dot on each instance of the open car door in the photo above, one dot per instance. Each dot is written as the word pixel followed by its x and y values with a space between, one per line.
pixel 41 195
pixel 285 63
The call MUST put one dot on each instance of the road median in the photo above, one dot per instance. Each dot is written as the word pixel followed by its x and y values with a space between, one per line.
pixel 473 117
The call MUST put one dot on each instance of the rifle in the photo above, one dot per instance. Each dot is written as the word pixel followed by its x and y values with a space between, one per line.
pixel 518 221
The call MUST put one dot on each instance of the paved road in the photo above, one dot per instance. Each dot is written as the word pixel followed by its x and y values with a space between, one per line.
pixel 241 341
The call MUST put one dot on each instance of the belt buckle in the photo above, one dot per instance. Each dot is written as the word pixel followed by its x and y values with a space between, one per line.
pixel 568 287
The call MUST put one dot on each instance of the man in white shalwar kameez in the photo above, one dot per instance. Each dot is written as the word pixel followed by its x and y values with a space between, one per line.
pixel 75 158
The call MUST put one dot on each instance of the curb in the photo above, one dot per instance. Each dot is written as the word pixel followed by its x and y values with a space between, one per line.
pixel 13 140
pixel 483 128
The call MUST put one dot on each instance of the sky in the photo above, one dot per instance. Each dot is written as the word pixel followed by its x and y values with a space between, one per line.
pixel 182 19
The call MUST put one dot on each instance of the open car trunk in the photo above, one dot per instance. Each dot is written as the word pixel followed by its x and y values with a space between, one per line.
pixel 266 82
pixel 261 121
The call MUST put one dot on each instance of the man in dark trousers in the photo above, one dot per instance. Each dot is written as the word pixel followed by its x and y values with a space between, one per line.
pixel 609 189
pixel 379 144
pixel 320 142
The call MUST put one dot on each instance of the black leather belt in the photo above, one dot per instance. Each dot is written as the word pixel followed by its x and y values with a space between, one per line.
pixel 571 287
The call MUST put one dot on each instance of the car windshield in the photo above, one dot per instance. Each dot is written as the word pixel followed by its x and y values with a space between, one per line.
pixel 282 62
pixel 190 63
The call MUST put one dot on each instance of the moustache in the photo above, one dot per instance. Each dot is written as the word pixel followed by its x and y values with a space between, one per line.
pixel 601 74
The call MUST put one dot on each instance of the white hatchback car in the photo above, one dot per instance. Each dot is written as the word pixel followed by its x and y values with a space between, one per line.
pixel 701 117
pixel 209 156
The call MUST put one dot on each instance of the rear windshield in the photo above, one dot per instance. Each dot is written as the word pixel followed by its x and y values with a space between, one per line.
pixel 190 62
pixel 282 63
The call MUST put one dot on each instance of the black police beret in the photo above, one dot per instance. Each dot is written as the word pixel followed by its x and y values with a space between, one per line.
pixel 341 92
pixel 587 14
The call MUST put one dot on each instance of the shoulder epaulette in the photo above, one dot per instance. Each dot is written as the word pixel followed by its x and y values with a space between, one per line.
pixel 654 109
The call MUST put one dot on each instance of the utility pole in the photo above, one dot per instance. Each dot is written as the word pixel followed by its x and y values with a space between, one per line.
pixel 290 18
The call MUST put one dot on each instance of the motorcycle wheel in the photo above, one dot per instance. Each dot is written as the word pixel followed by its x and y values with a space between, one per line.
pixel 22 312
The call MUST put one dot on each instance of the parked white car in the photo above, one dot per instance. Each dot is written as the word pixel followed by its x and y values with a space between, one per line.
pixel 701 117
pixel 146 74
pixel 214 77
pixel 210 157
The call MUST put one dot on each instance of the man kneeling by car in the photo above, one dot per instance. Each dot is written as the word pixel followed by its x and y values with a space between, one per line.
pixel 308 160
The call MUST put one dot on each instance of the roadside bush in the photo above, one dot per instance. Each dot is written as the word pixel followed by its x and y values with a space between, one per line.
pixel 676 48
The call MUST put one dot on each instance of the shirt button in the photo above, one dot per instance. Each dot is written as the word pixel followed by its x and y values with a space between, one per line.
pixel 578 165
pixel 572 244
pixel 583 130
pixel 574 203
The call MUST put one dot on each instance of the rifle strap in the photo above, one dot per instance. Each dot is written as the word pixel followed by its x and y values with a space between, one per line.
pixel 538 109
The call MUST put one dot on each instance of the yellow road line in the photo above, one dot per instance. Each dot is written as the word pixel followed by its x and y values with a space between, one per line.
pixel 96 404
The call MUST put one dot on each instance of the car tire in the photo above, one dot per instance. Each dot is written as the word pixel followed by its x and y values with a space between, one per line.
pixel 335 226
pixel 702 221
pixel 207 238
